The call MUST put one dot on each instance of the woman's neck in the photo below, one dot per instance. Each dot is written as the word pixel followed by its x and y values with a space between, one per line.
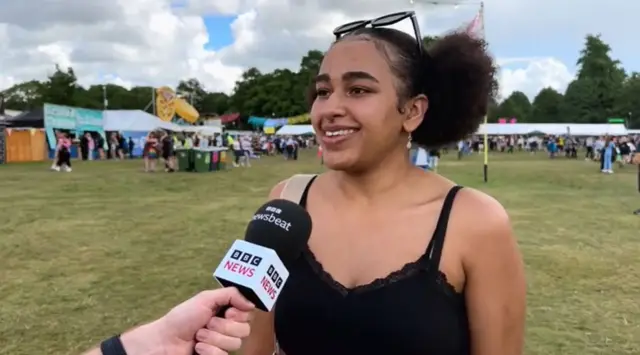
pixel 375 183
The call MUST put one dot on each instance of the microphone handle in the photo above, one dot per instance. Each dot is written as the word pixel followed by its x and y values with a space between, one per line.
pixel 220 313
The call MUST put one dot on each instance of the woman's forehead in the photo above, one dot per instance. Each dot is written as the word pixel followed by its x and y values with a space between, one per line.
pixel 354 56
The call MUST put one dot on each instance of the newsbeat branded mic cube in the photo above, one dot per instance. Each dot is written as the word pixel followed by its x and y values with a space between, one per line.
pixel 254 269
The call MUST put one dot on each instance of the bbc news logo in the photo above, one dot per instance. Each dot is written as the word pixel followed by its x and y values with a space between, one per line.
pixel 246 258
pixel 274 276
pixel 274 210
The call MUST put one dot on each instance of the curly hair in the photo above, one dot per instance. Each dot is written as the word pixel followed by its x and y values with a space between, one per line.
pixel 456 73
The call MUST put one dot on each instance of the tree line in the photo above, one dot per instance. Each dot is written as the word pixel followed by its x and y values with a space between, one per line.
pixel 602 89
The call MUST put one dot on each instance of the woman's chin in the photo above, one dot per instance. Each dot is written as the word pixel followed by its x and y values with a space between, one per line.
pixel 340 163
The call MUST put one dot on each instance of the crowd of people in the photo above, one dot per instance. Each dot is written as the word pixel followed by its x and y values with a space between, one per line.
pixel 162 144
pixel 607 150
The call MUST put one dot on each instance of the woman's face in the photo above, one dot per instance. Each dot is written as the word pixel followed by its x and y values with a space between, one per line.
pixel 355 113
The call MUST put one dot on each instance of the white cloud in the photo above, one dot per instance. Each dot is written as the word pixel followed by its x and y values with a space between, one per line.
pixel 123 41
pixel 537 74
pixel 158 42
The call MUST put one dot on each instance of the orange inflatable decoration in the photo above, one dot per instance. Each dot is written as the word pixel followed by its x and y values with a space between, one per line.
pixel 168 104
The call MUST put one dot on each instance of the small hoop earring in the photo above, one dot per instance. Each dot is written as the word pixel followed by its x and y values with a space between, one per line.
pixel 409 142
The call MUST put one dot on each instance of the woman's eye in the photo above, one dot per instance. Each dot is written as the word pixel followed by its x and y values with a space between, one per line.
pixel 358 91
pixel 322 92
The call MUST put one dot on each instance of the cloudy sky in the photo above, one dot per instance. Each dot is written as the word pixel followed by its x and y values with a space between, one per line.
pixel 158 42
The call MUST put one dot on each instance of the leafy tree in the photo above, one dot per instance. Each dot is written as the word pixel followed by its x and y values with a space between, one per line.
pixel 517 106
pixel 591 97
pixel 61 87
pixel 628 102
pixel 546 107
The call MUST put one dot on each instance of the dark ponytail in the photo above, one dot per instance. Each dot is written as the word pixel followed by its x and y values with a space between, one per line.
pixel 459 80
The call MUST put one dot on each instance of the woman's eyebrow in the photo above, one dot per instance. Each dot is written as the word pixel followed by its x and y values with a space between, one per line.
pixel 348 76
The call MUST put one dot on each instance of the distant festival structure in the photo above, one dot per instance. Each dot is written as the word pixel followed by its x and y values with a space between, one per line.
pixel 168 104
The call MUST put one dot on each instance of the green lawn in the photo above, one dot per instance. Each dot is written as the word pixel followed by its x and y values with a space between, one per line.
pixel 87 254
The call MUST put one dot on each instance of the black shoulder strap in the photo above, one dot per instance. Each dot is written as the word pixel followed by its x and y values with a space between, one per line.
pixel 434 250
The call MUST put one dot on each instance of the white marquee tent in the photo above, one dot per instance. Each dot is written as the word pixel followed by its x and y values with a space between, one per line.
pixel 296 130
pixel 574 129
pixel 140 121
pixel 134 121
pixel 497 129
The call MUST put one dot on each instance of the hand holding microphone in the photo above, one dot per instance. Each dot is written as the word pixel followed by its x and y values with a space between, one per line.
pixel 174 333
pixel 213 335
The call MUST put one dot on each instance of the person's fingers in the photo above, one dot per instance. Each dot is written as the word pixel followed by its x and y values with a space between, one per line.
pixel 229 327
pixel 207 349
pixel 225 296
pixel 237 315
pixel 239 302
pixel 221 341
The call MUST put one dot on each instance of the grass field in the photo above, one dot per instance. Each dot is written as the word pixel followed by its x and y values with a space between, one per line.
pixel 87 254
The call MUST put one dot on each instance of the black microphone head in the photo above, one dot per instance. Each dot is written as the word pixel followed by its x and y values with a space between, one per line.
pixel 282 226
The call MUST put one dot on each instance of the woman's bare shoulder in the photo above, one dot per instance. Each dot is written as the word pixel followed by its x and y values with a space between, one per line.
pixel 480 210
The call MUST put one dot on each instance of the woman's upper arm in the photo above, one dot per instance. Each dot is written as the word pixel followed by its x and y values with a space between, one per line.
pixel 495 288
pixel 261 341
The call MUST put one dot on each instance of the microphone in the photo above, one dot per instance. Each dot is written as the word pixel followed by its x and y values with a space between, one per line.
pixel 258 265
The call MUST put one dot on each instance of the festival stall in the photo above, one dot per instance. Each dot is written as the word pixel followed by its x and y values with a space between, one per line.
pixel 23 137
pixel 270 125
pixel 74 120
pixel 135 125
pixel 24 145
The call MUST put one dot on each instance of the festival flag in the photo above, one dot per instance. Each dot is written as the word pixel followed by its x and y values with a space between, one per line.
pixel 475 28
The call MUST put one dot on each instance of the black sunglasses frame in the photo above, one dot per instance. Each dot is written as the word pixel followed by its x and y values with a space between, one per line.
pixel 383 21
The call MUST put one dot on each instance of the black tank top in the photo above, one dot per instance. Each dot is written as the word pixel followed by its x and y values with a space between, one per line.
pixel 412 311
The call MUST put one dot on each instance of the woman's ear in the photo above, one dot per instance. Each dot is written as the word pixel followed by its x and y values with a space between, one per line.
pixel 416 108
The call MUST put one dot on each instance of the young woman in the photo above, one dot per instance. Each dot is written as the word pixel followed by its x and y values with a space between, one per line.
pixel 168 152
pixel 63 155
pixel 238 154
pixel 400 261
pixel 150 152
pixel 609 156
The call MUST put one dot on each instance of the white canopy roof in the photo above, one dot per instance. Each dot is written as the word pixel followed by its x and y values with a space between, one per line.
pixel 574 129
pixel 296 129
pixel 134 121
pixel 203 130
pixel 140 121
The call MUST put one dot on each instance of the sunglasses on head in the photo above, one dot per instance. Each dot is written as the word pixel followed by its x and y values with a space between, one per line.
pixel 386 20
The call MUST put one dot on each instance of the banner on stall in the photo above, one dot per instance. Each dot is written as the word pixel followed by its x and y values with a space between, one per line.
pixel 79 120
pixel 89 120
pixel 138 138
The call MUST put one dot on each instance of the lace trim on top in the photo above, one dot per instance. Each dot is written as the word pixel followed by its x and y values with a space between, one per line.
pixel 408 270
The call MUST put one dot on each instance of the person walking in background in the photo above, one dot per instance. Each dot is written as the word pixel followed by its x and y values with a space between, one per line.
pixel 63 148
pixel 91 145
pixel 168 152
pixel 237 152
pixel 150 153
pixel 245 146
pixel 132 145
pixel 608 156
